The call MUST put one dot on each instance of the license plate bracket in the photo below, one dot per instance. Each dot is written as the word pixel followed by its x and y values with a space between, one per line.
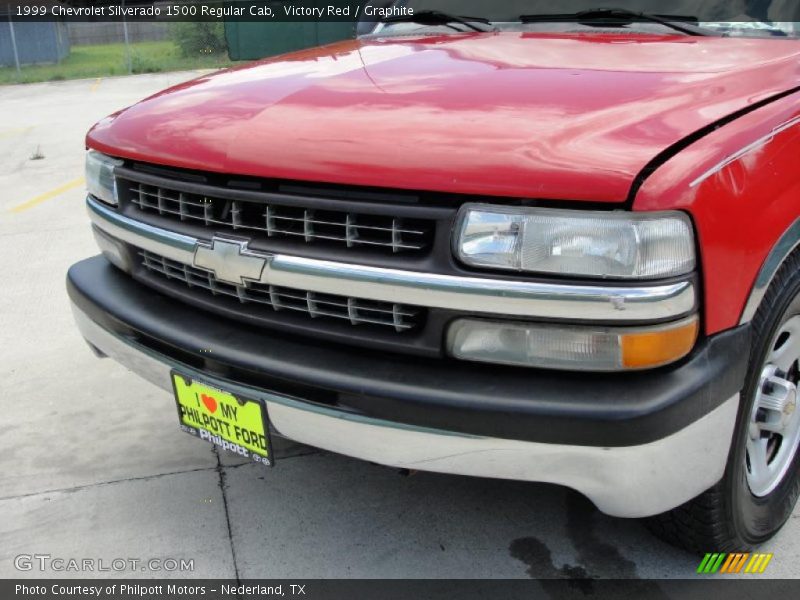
pixel 230 422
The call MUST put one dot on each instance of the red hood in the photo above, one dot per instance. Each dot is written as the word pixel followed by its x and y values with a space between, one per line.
pixel 507 114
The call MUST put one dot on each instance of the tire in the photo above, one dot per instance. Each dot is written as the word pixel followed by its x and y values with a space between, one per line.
pixel 762 478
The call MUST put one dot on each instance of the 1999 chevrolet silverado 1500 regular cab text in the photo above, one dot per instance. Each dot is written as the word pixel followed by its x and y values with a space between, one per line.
pixel 558 250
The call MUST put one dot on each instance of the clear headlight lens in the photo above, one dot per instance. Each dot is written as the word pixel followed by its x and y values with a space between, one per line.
pixel 571 347
pixel 620 245
pixel 100 180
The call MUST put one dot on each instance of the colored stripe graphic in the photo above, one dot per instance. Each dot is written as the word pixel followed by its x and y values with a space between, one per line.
pixel 711 563
pixel 722 562
pixel 735 562
pixel 758 563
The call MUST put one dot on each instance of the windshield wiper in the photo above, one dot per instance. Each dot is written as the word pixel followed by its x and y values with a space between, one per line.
pixel 621 15
pixel 435 17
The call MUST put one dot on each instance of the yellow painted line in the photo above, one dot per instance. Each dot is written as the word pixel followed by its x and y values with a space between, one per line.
pixel 48 195
pixel 13 132
pixel 96 84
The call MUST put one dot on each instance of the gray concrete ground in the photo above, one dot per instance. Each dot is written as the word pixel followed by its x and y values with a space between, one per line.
pixel 92 464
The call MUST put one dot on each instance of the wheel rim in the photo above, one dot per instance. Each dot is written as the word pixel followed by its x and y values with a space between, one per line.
pixel 774 427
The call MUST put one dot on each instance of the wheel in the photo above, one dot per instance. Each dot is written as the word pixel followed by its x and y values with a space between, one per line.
pixel 762 478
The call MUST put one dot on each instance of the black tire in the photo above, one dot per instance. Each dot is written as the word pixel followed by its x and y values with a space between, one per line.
pixel 729 517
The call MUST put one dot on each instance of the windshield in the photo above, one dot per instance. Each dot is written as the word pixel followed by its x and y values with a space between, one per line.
pixel 751 18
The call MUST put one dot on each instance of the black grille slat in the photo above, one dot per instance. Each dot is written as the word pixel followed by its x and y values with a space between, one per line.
pixel 355 311
pixel 350 229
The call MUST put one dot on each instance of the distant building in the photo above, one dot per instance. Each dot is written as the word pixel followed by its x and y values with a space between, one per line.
pixel 36 41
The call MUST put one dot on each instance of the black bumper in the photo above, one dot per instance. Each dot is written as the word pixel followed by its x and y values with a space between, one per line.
pixel 494 401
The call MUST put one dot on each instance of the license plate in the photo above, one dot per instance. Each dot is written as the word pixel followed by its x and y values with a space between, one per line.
pixel 220 418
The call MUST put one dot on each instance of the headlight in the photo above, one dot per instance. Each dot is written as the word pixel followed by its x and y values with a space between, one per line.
pixel 100 180
pixel 571 347
pixel 620 245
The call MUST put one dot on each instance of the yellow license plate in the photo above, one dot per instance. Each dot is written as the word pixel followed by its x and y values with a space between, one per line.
pixel 234 424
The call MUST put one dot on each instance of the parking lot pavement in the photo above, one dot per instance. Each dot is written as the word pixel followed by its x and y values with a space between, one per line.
pixel 92 464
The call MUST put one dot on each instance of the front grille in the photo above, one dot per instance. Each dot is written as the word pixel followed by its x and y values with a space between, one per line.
pixel 356 311
pixel 274 220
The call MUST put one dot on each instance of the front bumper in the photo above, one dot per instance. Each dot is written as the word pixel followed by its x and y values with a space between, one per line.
pixel 636 444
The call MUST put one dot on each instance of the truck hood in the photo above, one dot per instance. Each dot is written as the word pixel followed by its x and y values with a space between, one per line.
pixel 506 114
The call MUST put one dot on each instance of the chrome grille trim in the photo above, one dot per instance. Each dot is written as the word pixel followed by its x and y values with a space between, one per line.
pixel 356 311
pixel 487 295
pixel 275 220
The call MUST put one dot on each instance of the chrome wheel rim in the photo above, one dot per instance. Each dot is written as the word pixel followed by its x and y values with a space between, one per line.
pixel 774 426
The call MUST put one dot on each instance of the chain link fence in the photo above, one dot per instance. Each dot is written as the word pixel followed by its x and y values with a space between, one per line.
pixel 55 49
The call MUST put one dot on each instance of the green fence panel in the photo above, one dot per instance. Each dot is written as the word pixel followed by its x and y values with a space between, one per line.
pixel 253 40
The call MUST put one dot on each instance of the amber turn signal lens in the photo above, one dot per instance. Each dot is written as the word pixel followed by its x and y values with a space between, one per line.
pixel 571 347
pixel 654 348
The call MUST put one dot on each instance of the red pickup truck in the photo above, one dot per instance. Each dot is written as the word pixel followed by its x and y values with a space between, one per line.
pixel 560 250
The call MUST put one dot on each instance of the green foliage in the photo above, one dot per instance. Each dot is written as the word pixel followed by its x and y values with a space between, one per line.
pixel 198 38
pixel 141 63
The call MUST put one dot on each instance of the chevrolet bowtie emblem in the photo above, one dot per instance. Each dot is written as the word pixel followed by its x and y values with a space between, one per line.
pixel 230 261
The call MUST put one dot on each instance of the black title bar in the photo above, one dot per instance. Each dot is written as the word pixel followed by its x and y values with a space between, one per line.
pixel 394 589
pixel 374 10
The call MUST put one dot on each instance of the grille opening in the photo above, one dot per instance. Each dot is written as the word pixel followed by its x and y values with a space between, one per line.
pixel 354 230
pixel 358 312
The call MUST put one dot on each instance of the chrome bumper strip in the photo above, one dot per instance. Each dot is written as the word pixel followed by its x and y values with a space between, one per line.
pixel 469 294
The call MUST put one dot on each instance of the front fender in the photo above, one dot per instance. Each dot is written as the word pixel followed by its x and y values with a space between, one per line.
pixel 741 186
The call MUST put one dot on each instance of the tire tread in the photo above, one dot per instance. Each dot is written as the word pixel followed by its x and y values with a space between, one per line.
pixel 703 524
